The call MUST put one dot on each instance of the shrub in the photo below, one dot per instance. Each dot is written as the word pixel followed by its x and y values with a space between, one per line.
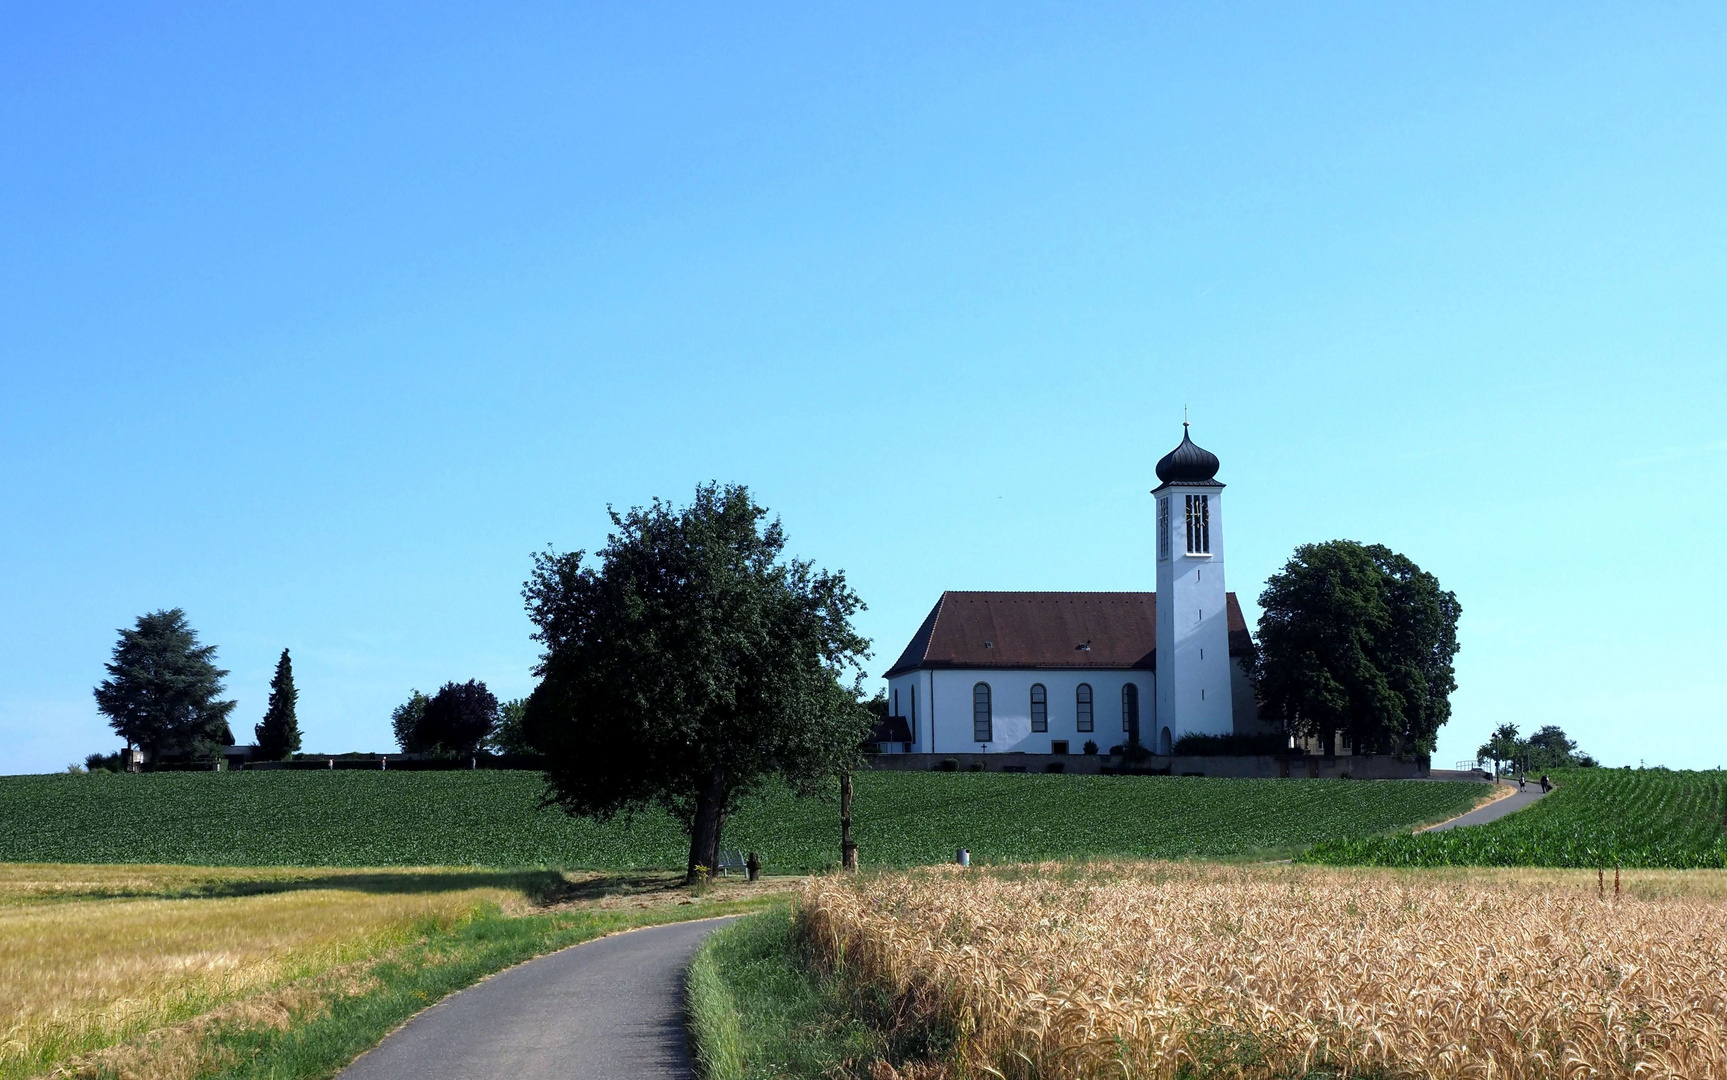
pixel 1091 746
pixel 949 765
pixel 1231 745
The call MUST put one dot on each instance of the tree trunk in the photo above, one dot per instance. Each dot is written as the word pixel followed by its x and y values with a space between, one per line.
pixel 1331 743
pixel 705 830
pixel 848 847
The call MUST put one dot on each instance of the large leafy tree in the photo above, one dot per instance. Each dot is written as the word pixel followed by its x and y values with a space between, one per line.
pixel 405 722
pixel 458 718
pixel 691 665
pixel 1551 748
pixel 508 736
pixel 278 734
pixel 1357 639
pixel 163 690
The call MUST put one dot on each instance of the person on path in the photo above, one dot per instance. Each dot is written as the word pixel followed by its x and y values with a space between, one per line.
pixel 1546 786
pixel 1522 781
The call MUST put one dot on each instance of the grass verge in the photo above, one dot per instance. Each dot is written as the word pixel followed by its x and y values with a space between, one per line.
pixel 329 1039
pixel 757 1009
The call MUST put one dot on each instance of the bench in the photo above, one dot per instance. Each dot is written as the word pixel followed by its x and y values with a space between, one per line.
pixel 729 861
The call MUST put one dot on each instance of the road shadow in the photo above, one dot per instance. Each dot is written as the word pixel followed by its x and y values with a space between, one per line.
pixel 618 885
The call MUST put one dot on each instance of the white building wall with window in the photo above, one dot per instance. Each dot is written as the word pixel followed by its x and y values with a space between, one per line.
pixel 1181 647
pixel 1011 719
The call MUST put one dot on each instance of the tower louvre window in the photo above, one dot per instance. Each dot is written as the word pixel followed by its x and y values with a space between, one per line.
pixel 1039 708
pixel 1082 707
pixel 1198 525
pixel 981 719
pixel 1163 529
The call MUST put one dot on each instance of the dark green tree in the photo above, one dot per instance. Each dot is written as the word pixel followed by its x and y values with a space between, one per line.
pixel 877 706
pixel 278 734
pixel 1551 748
pixel 691 666
pixel 458 718
pixel 1357 639
pixel 405 723
pixel 163 690
pixel 508 736
pixel 1417 652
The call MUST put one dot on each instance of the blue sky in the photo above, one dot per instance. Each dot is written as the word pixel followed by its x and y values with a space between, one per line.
pixel 315 320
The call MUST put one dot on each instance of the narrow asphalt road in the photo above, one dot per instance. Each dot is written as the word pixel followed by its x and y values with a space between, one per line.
pixel 608 1009
pixel 1493 811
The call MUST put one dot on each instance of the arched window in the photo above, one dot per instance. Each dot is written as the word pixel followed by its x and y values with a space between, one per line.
pixel 981 725
pixel 1198 525
pixel 1163 744
pixel 1082 707
pixel 1039 708
pixel 1130 708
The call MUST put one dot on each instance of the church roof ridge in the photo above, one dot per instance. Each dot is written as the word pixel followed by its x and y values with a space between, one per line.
pixel 983 629
pixel 1049 592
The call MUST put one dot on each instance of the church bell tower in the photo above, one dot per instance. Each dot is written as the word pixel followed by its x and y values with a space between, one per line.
pixel 1193 692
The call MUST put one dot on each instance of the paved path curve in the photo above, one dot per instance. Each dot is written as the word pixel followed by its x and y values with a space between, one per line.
pixel 607 1009
pixel 1493 811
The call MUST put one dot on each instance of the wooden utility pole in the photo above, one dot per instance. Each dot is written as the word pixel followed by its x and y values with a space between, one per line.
pixel 848 846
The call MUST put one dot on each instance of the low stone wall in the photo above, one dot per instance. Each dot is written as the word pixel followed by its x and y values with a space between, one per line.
pixel 1358 767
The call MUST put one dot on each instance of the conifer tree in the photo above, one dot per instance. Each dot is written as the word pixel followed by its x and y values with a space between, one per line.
pixel 163 691
pixel 278 733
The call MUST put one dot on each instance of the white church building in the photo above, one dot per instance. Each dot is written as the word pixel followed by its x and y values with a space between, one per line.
pixel 1048 672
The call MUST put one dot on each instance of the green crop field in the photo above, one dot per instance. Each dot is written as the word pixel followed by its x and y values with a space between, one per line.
pixel 492 819
pixel 1595 818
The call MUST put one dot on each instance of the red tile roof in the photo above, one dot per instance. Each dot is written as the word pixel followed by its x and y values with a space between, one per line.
pixel 1046 630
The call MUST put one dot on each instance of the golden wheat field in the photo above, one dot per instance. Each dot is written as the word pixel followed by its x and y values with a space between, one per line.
pixel 90 955
pixel 1160 970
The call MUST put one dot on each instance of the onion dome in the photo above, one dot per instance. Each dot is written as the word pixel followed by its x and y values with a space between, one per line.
pixel 1187 463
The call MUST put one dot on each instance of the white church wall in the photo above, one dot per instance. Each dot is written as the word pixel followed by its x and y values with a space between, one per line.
pixel 909 696
pixel 1010 699
pixel 1245 703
